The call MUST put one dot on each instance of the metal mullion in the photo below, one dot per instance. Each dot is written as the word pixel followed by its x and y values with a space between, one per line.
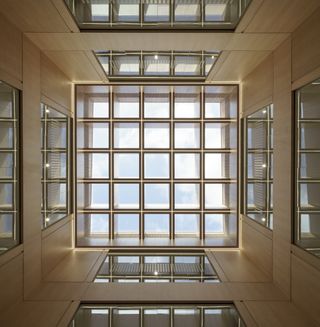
pixel 202 167
pixel 172 196
pixel 111 163
pixel 141 164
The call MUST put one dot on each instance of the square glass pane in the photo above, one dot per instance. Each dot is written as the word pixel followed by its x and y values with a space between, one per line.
pixel 309 135
pixel 216 11
pixel 56 196
pixel 126 196
pixel 6 134
pixel 187 102
pixel 126 11
pixel 156 102
pixel 186 135
pixel 92 135
pixel 157 65
pixel 126 102
pixel 309 165
pixel 309 225
pixel 187 225
pixel 98 224
pixel 8 95
pixel 156 317
pixel 187 65
pixel 221 101
pixel 186 196
pixel 220 196
pixel 157 196
pixel 126 225
pixel 187 10
pixel 257 134
pixel 126 135
pixel 126 65
pixel 220 165
pixel 6 165
pixel 92 101
pixel 156 165
pixel 257 195
pixel 100 10
pixel 56 165
pixel 156 225
pixel 309 97
pixel 6 229
pixel 6 195
pixel 156 135
pixel 309 195
pixel 93 196
pixel 221 135
pixel 157 11
pixel 257 165
pixel 215 224
pixel 92 165
pixel 57 134
pixel 186 165
pixel 126 165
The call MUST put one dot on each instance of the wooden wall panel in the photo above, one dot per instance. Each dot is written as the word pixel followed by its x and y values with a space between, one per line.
pixel 282 166
pixel 257 246
pixel 258 87
pixel 10 51
pixel 306 47
pixel 55 246
pixel 55 85
pixel 306 287
pixel 11 282
pixel 31 166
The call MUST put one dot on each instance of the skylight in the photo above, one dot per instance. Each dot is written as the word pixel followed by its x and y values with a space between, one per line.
pixel 157 14
pixel 145 64
pixel 158 167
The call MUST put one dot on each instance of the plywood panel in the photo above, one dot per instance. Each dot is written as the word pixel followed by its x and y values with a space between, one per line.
pixel 11 282
pixel 306 287
pixel 34 314
pixel 238 268
pixel 10 50
pixel 282 166
pixel 31 166
pixel 55 247
pixel 33 16
pixel 77 65
pixel 281 16
pixel 277 314
pixel 258 247
pixel 258 86
pixel 237 65
pixel 306 47
pixel 75 267
pixel 159 41
pixel 55 84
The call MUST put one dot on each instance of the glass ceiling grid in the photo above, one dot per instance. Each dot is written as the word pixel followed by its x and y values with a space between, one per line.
pixel 157 14
pixel 172 177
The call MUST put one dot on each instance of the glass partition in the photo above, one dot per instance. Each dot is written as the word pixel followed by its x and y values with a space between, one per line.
pixel 307 209
pixel 157 14
pixel 156 267
pixel 150 315
pixel 157 165
pixel 259 166
pixel 10 228
pixel 55 165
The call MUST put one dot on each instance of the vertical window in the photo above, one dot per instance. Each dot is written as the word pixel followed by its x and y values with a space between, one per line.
pixel 55 165
pixel 259 157
pixel 307 209
pixel 10 234
pixel 157 164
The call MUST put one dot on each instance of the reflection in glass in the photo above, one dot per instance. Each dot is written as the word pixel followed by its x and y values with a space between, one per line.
pixel 157 11
pixel 157 65
pixel 220 165
pixel 187 65
pixel 126 11
pixel 220 196
pixel 220 135
pixel 186 135
pixel 186 11
pixel 259 154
